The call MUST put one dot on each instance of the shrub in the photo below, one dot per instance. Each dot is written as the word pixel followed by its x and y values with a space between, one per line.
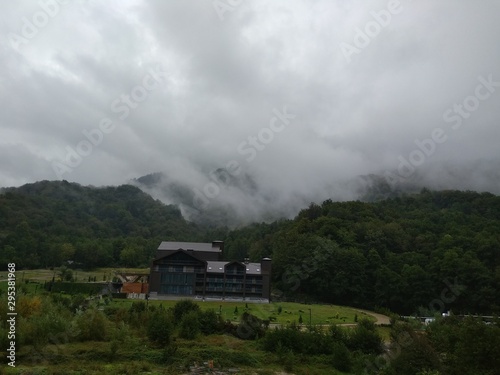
pixel 189 326
pixel 341 357
pixel 160 328
pixel 92 325
pixel 250 327
pixel 210 322
pixel 183 307
pixel 365 338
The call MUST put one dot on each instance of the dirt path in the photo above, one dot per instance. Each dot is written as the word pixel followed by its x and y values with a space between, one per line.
pixel 381 319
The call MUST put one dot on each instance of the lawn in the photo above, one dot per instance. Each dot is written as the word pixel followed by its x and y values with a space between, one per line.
pixel 290 312
pixel 101 274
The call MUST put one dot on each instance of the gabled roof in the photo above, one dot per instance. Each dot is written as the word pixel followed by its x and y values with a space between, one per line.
pixel 196 246
pixel 162 256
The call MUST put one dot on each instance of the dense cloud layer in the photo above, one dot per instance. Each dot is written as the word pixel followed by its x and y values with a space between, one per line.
pixel 102 92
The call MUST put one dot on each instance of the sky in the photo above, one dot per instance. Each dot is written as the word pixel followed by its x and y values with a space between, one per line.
pixel 297 94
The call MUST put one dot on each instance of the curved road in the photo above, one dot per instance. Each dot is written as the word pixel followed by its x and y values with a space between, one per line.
pixel 381 319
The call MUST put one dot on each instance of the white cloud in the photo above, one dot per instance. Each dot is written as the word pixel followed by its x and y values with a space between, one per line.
pixel 225 78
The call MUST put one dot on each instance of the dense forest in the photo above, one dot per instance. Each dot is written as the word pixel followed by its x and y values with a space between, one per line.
pixel 48 223
pixel 428 251
pixel 413 253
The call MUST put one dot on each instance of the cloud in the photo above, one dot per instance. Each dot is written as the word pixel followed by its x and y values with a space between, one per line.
pixel 224 78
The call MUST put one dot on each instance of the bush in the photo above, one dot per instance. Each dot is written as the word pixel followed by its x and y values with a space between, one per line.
pixel 210 322
pixel 160 328
pixel 365 338
pixel 189 326
pixel 250 327
pixel 183 307
pixel 341 357
pixel 92 325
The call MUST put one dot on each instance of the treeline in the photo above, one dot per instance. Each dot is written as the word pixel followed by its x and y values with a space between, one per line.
pixel 426 253
pixel 414 253
pixel 47 224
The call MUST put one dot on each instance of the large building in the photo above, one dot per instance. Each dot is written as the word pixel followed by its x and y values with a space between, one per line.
pixel 191 269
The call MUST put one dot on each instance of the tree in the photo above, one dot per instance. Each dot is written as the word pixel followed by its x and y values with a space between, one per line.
pixel 365 338
pixel 65 274
pixel 184 307
pixel 189 326
pixel 160 327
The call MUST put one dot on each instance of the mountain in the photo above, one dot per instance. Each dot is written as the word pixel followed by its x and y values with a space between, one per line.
pixel 38 220
pixel 221 198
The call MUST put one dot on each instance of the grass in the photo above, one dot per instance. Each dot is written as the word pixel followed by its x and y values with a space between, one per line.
pixel 95 358
pixel 290 311
pixel 81 275
pixel 135 355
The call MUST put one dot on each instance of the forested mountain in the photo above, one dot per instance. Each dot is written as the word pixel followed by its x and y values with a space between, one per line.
pixel 436 250
pixel 47 223
pixel 432 250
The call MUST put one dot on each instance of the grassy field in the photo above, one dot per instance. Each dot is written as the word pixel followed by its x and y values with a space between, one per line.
pixel 100 274
pixel 290 312
pixel 133 354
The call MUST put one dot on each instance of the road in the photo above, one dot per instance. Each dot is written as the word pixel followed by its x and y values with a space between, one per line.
pixel 381 319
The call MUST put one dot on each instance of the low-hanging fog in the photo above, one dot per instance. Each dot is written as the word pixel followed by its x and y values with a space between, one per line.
pixel 258 106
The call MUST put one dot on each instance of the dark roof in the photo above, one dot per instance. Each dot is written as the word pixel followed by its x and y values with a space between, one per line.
pixel 160 255
pixel 196 246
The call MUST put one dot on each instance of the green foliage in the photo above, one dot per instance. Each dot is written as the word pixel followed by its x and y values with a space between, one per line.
pixel 365 338
pixel 468 346
pixel 210 322
pixel 250 327
pixel 74 288
pixel 48 223
pixel 65 274
pixel 160 327
pixel 189 327
pixel 314 342
pixel 92 325
pixel 398 253
pixel 184 307
pixel 46 325
pixel 415 352
pixel 341 357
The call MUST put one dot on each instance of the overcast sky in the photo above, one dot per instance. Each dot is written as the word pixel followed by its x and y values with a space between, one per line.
pixel 334 89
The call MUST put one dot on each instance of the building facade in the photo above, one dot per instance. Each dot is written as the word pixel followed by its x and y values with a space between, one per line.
pixel 191 269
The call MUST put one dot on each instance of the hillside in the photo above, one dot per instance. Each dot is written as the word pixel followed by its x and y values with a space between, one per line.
pixel 426 251
pixel 46 223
